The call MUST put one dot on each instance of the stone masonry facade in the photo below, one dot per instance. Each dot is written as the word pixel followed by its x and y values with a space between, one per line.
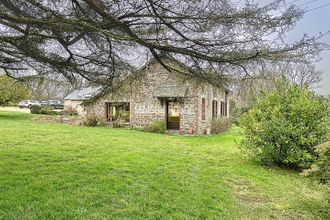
pixel 146 108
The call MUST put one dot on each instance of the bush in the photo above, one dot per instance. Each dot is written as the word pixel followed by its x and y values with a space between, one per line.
pixel 70 112
pixel 320 170
pixel 158 126
pixel 236 112
pixel 11 91
pixel 45 110
pixel 117 124
pixel 220 125
pixel 93 121
pixel 35 109
pixel 284 126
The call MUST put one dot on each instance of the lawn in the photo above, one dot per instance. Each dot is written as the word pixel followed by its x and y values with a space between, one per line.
pixel 55 171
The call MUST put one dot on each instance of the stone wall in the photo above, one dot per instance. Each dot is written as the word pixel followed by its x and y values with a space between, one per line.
pixel 210 93
pixel 145 108
pixel 76 105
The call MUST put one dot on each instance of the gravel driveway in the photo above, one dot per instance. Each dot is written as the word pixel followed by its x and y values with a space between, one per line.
pixel 15 109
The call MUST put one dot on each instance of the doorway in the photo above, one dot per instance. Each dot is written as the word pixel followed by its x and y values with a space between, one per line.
pixel 172 115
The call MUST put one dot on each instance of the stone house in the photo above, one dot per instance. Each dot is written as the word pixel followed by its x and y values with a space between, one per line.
pixel 74 101
pixel 183 103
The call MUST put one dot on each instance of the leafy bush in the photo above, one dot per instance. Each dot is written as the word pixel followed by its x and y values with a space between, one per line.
pixel 35 109
pixel 220 125
pixel 158 126
pixel 45 110
pixel 117 124
pixel 70 112
pixel 320 170
pixel 93 121
pixel 236 112
pixel 284 126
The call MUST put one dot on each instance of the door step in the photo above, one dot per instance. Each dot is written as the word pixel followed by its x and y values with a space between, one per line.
pixel 171 131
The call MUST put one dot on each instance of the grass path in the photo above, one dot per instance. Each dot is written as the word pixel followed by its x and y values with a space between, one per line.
pixel 52 171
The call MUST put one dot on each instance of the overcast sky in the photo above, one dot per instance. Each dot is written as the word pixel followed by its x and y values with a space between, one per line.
pixel 316 20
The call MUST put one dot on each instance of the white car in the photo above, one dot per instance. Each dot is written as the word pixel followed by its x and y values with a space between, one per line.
pixel 28 103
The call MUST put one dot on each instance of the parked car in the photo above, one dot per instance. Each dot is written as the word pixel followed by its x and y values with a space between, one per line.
pixel 28 103
pixel 56 104
pixel 44 103
pixel 53 103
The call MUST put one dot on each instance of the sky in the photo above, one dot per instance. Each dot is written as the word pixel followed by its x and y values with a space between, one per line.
pixel 315 20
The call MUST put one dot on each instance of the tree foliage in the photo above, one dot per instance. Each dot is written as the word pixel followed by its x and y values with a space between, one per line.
pixel 320 170
pixel 103 40
pixel 11 91
pixel 284 126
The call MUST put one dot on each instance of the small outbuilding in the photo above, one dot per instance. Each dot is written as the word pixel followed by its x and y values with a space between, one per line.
pixel 74 101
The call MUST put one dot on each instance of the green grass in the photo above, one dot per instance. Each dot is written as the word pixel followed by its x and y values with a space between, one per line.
pixel 54 171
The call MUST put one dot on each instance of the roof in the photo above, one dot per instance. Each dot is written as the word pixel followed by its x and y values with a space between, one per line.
pixel 170 91
pixel 82 94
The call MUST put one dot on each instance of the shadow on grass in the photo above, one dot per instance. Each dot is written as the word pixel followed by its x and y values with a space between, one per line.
pixel 318 208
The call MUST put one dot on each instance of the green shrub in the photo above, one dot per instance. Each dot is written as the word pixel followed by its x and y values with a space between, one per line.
pixel 117 124
pixel 45 110
pixel 70 112
pixel 320 170
pixel 284 126
pixel 35 109
pixel 236 112
pixel 220 125
pixel 158 126
pixel 93 121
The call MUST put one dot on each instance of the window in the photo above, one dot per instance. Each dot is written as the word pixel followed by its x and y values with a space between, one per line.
pixel 224 106
pixel 203 109
pixel 225 109
pixel 214 108
pixel 226 103
pixel 222 109
pixel 118 111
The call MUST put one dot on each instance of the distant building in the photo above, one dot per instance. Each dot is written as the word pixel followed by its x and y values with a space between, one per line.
pixel 74 101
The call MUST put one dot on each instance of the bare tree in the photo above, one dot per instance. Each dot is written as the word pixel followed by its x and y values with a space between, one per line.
pixel 303 74
pixel 300 73
pixel 101 40
pixel 50 87
pixel 247 90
